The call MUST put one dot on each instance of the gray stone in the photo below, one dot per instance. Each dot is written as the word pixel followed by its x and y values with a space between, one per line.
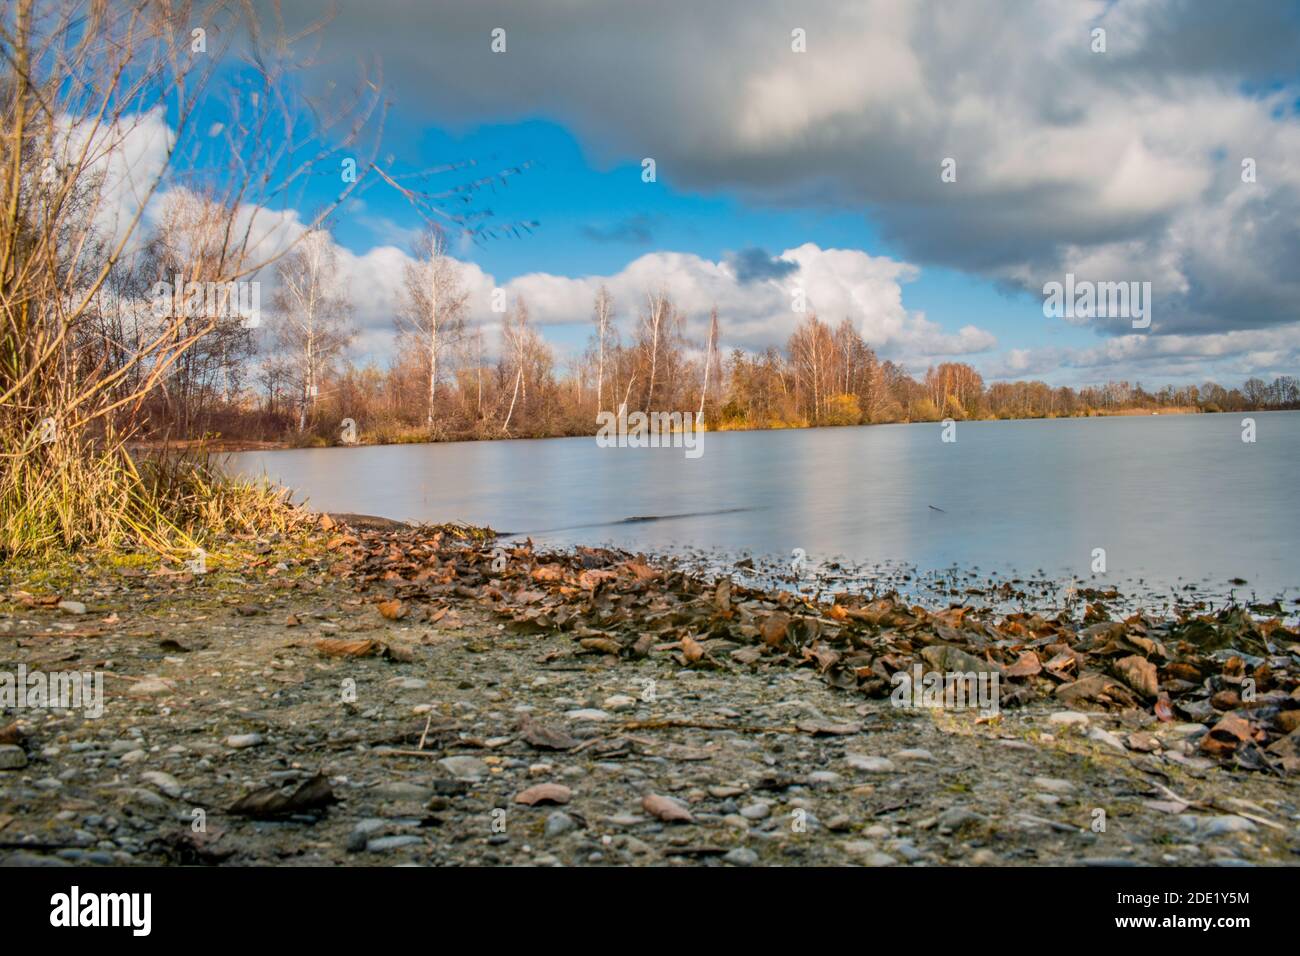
pixel 392 843
pixel 559 823
pixel 741 856
pixel 12 757
pixel 242 741
pixel 163 781
pixel 870 764
pixel 464 768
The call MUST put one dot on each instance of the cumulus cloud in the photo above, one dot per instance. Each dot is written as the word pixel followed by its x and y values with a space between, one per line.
pixel 756 311
pixel 1122 165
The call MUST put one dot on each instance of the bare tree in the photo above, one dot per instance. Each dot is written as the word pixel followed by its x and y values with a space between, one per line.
pixel 435 307
pixel 709 353
pixel 314 311
pixel 604 311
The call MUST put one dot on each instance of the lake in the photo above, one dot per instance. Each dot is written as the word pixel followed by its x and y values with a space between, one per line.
pixel 1171 500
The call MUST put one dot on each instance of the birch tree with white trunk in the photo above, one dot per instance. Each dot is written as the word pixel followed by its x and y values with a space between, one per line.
pixel 435 307
pixel 314 316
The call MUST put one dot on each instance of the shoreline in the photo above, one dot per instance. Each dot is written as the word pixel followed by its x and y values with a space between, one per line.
pixel 237 445
pixel 608 711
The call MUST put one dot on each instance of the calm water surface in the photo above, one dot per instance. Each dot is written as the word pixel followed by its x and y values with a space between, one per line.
pixel 1171 499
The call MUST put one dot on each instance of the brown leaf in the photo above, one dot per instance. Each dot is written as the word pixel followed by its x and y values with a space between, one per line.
pixel 603 644
pixel 11 734
pixel 666 809
pixel 548 572
pixel 1226 736
pixel 692 650
pixel 774 629
pixel 544 793
pixel 1139 673
pixel 394 610
pixel 1027 666
pixel 340 647
pixel 1098 689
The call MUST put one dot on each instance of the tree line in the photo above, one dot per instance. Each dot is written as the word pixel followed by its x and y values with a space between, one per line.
pixel 441 383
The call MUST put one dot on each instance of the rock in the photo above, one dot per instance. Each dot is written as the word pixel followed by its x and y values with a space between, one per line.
pixel 914 754
pixel 559 823
pixel 758 810
pixel 958 817
pixel 1143 743
pixel 984 857
pixel 163 781
pixel 587 713
pixel 243 741
pixel 134 756
pixel 619 702
pixel 151 687
pixel 1053 784
pixel 464 768
pixel 879 859
pixel 823 778
pixel 544 793
pixel 740 856
pixel 392 843
pixel 1107 738
pixel 72 607
pixel 12 757
pixel 402 790
pixel 1217 826
pixel 1069 718
pixel 666 809
pixel 412 683
pixel 870 764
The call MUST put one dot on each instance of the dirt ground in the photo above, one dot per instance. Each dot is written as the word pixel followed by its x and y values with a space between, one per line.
pixel 469 742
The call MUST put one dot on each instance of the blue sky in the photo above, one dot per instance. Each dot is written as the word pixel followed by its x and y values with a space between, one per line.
pixel 1121 164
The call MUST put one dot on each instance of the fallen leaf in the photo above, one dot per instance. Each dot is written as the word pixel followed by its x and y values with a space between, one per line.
pixel 342 647
pixel 1139 673
pixel 393 610
pixel 692 650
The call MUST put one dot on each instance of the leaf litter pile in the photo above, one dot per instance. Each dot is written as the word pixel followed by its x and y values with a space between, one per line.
pixel 1235 673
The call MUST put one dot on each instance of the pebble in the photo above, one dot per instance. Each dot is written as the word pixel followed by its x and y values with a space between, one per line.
pixel 1070 718
pixel 12 757
pixel 464 768
pixel 392 843
pixel 559 823
pixel 243 741
pixel 619 702
pixel 914 754
pixel 163 781
pixel 1053 784
pixel 758 810
pixel 741 856
pixel 401 790
pixel 72 607
pixel 1106 737
pixel 823 778
pixel 870 764
pixel 1217 826
pixel 150 687
pixel 586 713
pixel 957 817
